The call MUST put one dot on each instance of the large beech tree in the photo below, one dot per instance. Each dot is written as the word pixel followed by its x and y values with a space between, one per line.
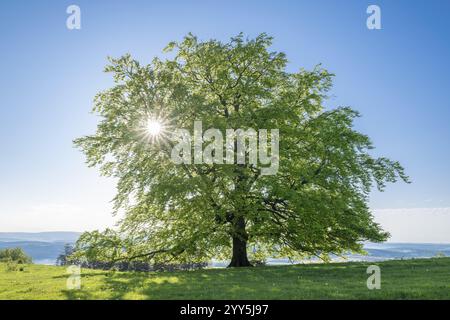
pixel 316 204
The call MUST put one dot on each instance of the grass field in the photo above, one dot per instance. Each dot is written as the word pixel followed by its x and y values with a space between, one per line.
pixel 402 279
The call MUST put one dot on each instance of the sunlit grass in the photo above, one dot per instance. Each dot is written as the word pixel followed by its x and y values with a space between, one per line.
pixel 408 279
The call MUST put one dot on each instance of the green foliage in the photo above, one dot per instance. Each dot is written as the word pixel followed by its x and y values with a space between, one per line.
pixel 65 258
pixel 11 265
pixel 98 247
pixel 14 255
pixel 315 205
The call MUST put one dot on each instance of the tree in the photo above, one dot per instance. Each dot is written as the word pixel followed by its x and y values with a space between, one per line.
pixel 316 204
pixel 16 255
pixel 65 257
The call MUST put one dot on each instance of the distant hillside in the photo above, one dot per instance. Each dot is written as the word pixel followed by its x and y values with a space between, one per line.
pixel 42 247
pixel 41 252
pixel 57 236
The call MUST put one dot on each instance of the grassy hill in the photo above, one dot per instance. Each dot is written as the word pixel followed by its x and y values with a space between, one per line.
pixel 401 279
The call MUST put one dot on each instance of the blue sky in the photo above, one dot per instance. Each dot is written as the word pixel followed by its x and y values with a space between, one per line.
pixel 397 77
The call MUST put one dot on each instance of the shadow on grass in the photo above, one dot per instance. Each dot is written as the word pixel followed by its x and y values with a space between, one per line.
pixel 84 274
pixel 275 282
pixel 78 295
pixel 205 284
pixel 309 281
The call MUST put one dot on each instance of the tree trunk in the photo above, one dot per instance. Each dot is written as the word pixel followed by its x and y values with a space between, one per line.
pixel 240 237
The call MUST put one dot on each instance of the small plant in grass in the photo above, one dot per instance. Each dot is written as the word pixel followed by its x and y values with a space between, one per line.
pixel 11 265
pixel 14 266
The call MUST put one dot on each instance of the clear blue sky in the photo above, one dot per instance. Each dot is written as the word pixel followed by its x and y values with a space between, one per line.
pixel 397 77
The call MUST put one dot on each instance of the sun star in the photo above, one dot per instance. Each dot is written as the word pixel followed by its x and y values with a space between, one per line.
pixel 154 127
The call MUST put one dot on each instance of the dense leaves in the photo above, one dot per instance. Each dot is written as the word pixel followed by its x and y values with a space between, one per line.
pixel 16 255
pixel 315 205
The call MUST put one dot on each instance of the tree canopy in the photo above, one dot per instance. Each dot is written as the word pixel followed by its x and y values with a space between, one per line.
pixel 315 204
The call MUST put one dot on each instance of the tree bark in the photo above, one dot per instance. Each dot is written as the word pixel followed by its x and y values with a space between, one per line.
pixel 240 237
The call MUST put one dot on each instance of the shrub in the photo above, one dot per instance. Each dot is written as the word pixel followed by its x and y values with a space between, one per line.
pixel 11 265
pixel 14 255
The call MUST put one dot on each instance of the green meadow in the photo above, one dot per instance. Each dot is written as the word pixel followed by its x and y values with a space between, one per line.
pixel 400 279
